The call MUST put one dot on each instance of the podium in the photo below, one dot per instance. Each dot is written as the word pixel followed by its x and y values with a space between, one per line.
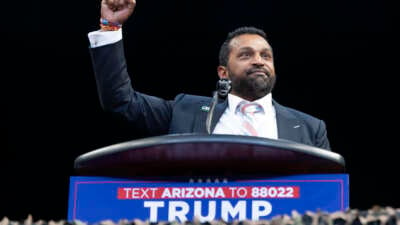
pixel 229 177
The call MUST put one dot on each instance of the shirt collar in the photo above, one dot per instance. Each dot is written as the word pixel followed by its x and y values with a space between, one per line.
pixel 265 102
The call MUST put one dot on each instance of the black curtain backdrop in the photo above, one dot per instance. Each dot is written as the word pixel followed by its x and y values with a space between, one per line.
pixel 335 59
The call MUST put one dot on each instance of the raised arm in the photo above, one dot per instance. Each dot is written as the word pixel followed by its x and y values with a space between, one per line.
pixel 149 114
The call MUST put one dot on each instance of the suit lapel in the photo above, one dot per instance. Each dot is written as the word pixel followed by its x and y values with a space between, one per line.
pixel 200 125
pixel 219 110
pixel 289 127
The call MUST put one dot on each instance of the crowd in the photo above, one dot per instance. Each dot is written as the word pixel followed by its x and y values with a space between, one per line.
pixel 375 216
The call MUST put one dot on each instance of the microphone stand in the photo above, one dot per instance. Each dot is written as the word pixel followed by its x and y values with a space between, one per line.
pixel 211 112
pixel 223 88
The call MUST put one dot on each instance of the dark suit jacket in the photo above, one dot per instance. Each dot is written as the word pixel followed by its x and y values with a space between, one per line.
pixel 184 114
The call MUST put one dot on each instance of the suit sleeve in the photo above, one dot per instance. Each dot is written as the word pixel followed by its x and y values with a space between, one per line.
pixel 321 136
pixel 117 95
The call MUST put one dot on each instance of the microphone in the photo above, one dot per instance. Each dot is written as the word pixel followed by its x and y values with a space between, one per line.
pixel 223 87
pixel 222 90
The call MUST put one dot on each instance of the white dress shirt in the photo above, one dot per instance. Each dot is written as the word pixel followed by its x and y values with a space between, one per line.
pixel 230 121
pixel 99 38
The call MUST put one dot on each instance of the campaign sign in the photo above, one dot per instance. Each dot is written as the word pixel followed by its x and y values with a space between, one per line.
pixel 94 199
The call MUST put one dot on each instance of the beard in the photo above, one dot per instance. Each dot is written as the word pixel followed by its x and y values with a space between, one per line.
pixel 252 86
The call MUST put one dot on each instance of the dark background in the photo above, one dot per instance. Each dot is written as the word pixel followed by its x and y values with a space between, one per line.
pixel 335 59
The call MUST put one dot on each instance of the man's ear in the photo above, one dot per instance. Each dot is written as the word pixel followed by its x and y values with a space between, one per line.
pixel 222 72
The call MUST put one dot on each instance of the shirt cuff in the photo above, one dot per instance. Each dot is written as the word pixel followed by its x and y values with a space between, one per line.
pixel 99 38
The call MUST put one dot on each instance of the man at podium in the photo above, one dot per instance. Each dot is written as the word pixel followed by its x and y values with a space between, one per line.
pixel 244 105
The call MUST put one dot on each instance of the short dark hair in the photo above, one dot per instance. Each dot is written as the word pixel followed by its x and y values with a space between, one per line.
pixel 225 49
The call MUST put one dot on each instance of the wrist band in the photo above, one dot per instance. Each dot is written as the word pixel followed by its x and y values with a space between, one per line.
pixel 109 23
pixel 109 26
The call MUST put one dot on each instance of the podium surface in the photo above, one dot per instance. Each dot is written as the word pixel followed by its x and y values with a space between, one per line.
pixel 200 154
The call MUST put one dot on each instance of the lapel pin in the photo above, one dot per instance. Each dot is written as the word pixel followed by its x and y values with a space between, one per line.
pixel 297 126
pixel 205 108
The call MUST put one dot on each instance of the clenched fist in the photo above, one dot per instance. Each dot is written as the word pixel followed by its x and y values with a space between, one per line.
pixel 117 11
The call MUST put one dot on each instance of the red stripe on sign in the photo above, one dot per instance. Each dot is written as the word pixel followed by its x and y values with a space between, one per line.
pixel 238 192
pixel 122 194
pixel 139 192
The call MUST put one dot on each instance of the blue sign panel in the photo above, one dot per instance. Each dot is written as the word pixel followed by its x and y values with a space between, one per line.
pixel 94 199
